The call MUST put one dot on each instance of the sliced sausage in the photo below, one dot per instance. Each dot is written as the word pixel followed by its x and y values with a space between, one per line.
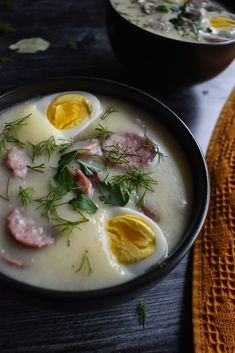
pixel 149 212
pixel 82 181
pixel 136 151
pixel 11 260
pixel 16 159
pixel 24 231
pixel 88 147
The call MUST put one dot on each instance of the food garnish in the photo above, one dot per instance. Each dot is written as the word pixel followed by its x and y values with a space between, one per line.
pixel 142 312
pixel 85 262
pixel 108 111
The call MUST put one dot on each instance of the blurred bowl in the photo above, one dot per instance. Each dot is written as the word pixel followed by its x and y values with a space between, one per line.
pixel 150 56
pixel 89 299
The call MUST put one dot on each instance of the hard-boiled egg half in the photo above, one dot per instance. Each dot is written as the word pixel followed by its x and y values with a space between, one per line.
pixel 132 241
pixel 222 25
pixel 69 113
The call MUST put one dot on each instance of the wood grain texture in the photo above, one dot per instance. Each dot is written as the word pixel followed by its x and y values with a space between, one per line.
pixel 26 327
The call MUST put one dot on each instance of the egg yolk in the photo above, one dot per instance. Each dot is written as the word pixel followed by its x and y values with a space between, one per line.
pixel 222 22
pixel 132 239
pixel 68 111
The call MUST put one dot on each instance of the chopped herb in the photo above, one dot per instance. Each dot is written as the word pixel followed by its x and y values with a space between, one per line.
pixel 72 44
pixel 85 203
pixel 37 168
pixel 141 312
pixel 6 27
pixel 6 197
pixel 150 144
pixel 5 59
pixel 112 194
pixel 85 262
pixel 141 199
pixel 47 146
pixel 47 204
pixel 8 135
pixel 62 147
pixel 67 226
pixel 66 159
pixel 108 111
pixel 117 156
pixel 135 179
pixel 102 133
pixel 25 195
pixel 163 8
pixel 88 169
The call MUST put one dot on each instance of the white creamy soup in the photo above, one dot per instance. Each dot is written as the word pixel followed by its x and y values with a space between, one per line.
pixel 93 192
pixel 187 20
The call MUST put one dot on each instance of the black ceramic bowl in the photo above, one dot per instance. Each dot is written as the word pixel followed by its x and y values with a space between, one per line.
pixel 165 60
pixel 99 298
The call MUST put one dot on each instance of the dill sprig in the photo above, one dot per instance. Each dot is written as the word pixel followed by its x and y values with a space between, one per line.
pixel 116 156
pixel 67 226
pixel 108 111
pixel 25 195
pixel 8 135
pixel 6 197
pixel 85 262
pixel 150 144
pixel 142 312
pixel 37 168
pixel 135 179
pixel 102 132
pixel 47 146
pixel 64 145
pixel 47 204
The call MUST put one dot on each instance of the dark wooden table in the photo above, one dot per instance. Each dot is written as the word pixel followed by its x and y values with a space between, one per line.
pixel 26 328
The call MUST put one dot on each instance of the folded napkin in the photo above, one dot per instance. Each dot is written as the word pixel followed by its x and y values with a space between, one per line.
pixel 214 252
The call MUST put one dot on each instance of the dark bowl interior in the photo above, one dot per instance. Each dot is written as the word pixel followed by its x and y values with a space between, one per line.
pixel 164 60
pixel 99 298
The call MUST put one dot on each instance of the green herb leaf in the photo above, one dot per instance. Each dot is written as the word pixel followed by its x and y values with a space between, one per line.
pixel 6 197
pixel 112 194
pixel 83 202
pixel 108 111
pixel 85 262
pixel 102 132
pixel 63 182
pixel 47 204
pixel 6 27
pixel 163 8
pixel 67 226
pixel 142 312
pixel 66 159
pixel 37 168
pixel 25 195
pixel 88 169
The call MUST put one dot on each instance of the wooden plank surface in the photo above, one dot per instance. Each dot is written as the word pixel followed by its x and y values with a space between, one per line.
pixel 28 328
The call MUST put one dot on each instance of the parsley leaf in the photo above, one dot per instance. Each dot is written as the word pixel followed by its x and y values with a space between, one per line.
pixel 88 169
pixel 83 202
pixel 112 194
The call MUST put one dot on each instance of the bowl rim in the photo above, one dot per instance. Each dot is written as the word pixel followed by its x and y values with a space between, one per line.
pixel 169 39
pixel 153 275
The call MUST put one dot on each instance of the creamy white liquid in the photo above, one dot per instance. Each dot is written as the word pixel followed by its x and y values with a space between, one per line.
pixel 56 265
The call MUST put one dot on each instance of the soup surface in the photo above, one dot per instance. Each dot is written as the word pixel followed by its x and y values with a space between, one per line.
pixel 193 20
pixel 93 191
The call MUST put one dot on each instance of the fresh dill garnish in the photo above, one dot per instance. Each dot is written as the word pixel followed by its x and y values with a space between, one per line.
pixel 8 135
pixel 65 143
pixel 102 132
pixel 37 168
pixel 26 195
pixel 67 226
pixel 85 262
pixel 135 179
pixel 112 194
pixel 5 59
pixel 47 146
pixel 83 202
pixel 140 200
pixel 72 44
pixel 108 111
pixel 6 27
pixel 48 206
pixel 152 145
pixel 116 156
pixel 142 312
pixel 6 197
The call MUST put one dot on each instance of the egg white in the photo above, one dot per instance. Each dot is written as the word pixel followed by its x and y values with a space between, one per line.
pixel 140 267
pixel 41 106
